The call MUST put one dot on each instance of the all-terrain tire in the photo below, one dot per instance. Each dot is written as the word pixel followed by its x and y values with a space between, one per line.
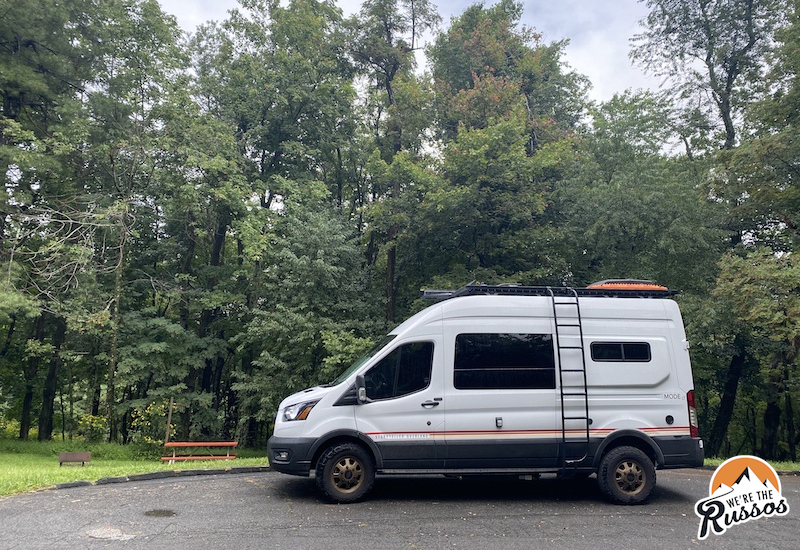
pixel 626 475
pixel 345 472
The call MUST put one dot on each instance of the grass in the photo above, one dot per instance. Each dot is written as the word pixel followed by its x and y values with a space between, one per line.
pixel 779 466
pixel 30 465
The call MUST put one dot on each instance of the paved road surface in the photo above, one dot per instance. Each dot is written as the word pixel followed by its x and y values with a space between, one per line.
pixel 270 510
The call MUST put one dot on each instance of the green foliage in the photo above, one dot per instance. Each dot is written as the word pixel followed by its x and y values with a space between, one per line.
pixel 343 348
pixel 486 66
pixel 93 428
pixel 712 52
pixel 762 286
pixel 317 295
pixel 225 219
pixel 149 423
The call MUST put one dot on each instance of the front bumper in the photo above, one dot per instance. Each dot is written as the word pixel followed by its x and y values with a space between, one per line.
pixel 290 455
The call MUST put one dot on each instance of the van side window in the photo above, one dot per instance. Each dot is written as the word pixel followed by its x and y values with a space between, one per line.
pixel 627 352
pixel 405 370
pixel 504 362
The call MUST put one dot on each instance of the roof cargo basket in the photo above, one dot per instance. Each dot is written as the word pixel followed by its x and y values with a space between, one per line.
pixel 612 288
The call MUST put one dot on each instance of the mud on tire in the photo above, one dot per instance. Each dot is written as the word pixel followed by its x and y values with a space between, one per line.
pixel 626 475
pixel 345 472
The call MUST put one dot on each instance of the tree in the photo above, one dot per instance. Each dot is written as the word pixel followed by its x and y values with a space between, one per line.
pixel 629 212
pixel 385 35
pixel 762 286
pixel 44 232
pixel 764 169
pixel 712 51
pixel 317 299
pixel 279 77
pixel 486 45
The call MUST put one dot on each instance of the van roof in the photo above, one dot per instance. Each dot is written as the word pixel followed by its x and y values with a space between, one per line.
pixel 613 288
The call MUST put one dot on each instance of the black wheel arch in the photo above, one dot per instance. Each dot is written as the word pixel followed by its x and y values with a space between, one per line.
pixel 631 438
pixel 344 436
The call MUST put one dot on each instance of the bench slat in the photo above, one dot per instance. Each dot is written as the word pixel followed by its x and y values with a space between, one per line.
pixel 201 444
pixel 196 446
pixel 74 456
pixel 198 457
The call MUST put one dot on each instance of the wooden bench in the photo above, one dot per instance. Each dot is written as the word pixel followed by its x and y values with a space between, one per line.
pixel 191 448
pixel 74 456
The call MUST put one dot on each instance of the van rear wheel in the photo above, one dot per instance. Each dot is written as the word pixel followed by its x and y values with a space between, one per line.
pixel 345 472
pixel 626 475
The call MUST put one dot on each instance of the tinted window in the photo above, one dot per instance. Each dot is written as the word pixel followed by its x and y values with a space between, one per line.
pixel 504 361
pixel 405 370
pixel 637 352
pixel 364 358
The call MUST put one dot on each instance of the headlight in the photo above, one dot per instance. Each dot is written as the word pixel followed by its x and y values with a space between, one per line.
pixel 299 411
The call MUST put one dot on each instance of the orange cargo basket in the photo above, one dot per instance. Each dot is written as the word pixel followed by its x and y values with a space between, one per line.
pixel 626 284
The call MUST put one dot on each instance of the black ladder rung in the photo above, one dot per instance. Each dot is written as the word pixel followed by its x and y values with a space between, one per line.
pixel 565 328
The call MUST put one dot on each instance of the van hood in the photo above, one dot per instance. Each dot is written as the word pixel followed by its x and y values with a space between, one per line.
pixel 310 394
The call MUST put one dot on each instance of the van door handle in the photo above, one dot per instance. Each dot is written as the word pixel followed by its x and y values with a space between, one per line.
pixel 430 404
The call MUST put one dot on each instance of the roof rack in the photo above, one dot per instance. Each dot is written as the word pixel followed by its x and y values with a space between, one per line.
pixel 614 288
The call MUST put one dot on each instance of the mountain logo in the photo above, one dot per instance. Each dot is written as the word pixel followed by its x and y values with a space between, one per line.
pixel 742 488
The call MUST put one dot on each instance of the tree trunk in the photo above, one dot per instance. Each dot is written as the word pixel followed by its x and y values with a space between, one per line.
pixel 97 382
pixel 772 422
pixel 11 326
pixel 391 306
pixel 728 400
pixel 186 270
pixel 114 351
pixel 214 366
pixel 51 382
pixel 790 431
pixel 29 374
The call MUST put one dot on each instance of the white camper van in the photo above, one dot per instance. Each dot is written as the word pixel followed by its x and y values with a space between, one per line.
pixel 507 380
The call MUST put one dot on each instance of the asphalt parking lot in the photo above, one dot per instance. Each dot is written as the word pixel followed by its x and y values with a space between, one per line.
pixel 256 510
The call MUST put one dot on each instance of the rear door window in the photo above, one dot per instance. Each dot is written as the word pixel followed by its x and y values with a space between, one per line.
pixel 622 352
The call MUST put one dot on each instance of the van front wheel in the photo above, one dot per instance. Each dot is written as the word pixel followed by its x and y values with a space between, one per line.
pixel 345 472
pixel 626 475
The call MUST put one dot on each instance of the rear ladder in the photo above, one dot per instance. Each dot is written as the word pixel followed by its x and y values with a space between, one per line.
pixel 572 376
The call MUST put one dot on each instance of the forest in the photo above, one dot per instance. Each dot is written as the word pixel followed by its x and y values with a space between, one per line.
pixel 221 218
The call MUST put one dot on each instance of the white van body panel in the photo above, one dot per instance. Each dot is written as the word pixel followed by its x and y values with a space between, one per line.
pixel 320 424
pixel 409 426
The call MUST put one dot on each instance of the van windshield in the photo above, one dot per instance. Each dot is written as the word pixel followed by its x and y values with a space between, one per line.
pixel 366 357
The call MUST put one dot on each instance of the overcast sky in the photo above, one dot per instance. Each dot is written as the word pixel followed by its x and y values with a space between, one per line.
pixel 598 31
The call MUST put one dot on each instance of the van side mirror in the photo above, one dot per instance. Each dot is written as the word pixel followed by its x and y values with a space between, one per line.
pixel 361 390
